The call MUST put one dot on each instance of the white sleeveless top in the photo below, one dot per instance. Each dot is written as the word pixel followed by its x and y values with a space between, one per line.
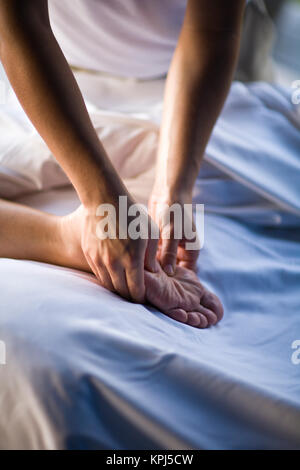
pixel 133 38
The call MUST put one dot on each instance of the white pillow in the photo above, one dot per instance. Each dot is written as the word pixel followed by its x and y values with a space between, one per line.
pixel 26 163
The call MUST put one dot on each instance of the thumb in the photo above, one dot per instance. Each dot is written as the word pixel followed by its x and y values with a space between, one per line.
pixel 151 263
pixel 169 255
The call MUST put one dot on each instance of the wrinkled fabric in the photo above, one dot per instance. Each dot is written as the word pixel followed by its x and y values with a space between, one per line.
pixel 250 168
pixel 87 369
pixel 133 39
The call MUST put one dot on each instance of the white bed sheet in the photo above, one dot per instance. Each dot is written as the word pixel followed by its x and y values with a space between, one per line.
pixel 87 369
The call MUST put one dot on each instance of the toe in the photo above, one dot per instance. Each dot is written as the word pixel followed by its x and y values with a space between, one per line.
pixel 212 303
pixel 210 316
pixel 178 314
pixel 194 319
pixel 204 321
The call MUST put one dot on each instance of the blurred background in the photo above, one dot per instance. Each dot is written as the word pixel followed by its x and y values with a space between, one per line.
pixel 286 49
pixel 270 48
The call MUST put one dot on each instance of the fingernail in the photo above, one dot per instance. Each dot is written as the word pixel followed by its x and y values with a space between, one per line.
pixel 169 270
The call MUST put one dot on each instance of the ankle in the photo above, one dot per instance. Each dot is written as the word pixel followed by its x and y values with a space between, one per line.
pixel 70 242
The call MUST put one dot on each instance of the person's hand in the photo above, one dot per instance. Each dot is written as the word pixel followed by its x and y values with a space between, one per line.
pixel 117 263
pixel 174 249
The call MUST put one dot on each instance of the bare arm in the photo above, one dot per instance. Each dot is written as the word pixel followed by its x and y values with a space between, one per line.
pixel 47 90
pixel 197 85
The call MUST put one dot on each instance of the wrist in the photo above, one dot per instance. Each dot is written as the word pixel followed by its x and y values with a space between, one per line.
pixel 103 187
pixel 182 195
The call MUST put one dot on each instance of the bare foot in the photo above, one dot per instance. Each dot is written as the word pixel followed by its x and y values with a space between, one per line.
pixel 29 234
pixel 181 297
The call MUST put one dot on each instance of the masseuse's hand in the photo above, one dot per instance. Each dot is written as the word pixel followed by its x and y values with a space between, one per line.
pixel 117 263
pixel 173 250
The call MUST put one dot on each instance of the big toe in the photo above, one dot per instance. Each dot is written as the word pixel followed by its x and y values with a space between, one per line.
pixel 211 302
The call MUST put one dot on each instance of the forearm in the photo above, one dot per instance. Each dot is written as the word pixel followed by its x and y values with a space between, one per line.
pixel 27 234
pixel 196 88
pixel 47 90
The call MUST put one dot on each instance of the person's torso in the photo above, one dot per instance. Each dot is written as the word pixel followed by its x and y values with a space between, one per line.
pixel 133 38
